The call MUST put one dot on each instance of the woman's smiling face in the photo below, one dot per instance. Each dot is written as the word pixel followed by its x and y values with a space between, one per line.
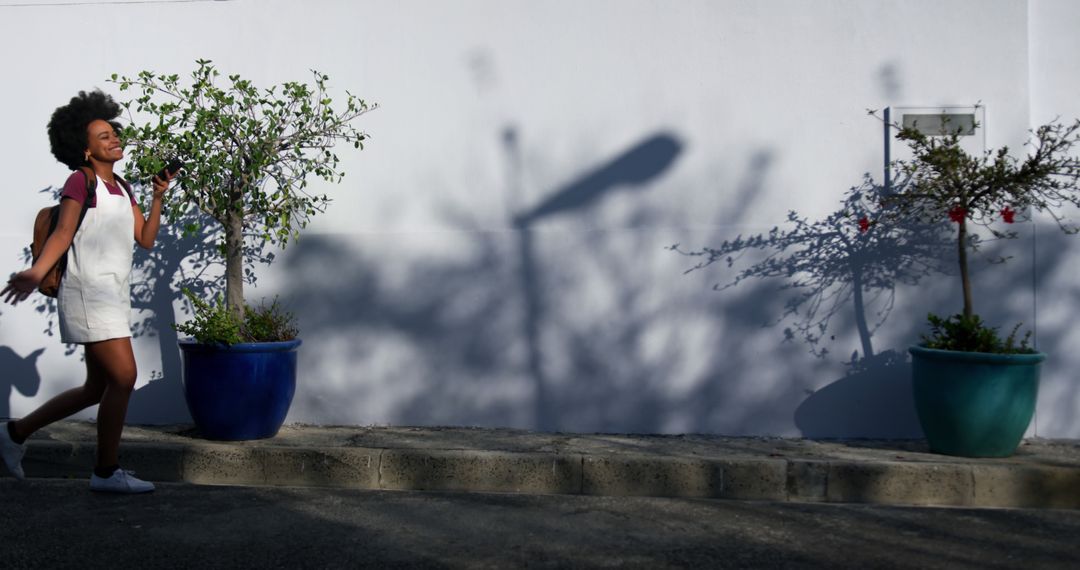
pixel 103 143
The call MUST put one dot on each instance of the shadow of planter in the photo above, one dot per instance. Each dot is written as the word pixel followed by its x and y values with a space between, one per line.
pixel 873 400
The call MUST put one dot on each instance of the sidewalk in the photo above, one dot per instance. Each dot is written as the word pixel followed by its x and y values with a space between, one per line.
pixel 1043 473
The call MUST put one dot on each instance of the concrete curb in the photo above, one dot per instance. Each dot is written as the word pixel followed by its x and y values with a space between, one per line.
pixel 625 474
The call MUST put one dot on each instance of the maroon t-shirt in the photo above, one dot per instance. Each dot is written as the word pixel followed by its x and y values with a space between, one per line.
pixel 75 188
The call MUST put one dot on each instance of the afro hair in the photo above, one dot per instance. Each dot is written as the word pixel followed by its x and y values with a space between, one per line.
pixel 67 127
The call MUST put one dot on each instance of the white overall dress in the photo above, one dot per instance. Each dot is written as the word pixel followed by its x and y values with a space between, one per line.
pixel 94 301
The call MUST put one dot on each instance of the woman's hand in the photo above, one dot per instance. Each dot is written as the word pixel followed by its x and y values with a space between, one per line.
pixel 20 286
pixel 162 184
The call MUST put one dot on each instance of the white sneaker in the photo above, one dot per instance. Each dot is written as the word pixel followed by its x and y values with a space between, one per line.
pixel 121 481
pixel 12 452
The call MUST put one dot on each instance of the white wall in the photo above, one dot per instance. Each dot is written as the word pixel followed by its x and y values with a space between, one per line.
pixel 1055 88
pixel 410 289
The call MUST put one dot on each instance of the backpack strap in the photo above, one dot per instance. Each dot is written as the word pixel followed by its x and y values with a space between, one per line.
pixel 91 192
pixel 91 185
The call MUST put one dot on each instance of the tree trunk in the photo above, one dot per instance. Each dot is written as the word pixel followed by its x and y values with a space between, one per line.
pixel 965 281
pixel 860 313
pixel 234 254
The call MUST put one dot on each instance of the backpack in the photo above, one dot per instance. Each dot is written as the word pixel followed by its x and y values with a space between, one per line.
pixel 45 225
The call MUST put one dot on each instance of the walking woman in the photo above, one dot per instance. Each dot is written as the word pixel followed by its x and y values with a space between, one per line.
pixel 94 300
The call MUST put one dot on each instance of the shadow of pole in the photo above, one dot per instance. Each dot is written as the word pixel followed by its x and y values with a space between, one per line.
pixel 631 170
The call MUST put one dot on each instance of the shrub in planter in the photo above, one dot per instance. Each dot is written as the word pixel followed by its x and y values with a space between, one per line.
pixel 214 324
pixel 975 393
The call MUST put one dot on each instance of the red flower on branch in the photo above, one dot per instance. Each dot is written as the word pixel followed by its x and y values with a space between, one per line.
pixel 864 224
pixel 957 214
pixel 1008 214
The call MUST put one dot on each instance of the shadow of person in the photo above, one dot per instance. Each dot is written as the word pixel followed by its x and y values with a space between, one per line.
pixel 873 400
pixel 19 373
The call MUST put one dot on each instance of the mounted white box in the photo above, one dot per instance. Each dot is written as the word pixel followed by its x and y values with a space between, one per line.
pixel 939 120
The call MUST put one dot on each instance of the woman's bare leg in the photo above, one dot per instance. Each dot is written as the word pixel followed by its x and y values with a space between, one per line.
pixel 117 362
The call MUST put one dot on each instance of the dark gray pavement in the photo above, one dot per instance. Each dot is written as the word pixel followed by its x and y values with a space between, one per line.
pixel 57 523
pixel 1043 473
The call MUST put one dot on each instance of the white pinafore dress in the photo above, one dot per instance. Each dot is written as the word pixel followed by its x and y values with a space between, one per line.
pixel 94 301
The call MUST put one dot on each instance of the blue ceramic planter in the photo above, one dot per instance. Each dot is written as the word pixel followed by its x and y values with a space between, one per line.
pixel 974 404
pixel 241 391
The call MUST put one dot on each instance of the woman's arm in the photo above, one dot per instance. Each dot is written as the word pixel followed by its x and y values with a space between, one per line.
pixel 21 285
pixel 146 229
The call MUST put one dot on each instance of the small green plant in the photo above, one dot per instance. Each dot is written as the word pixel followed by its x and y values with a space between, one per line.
pixel 268 323
pixel 215 323
pixel 970 334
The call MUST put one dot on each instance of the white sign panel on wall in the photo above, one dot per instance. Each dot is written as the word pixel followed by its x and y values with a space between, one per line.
pixel 940 120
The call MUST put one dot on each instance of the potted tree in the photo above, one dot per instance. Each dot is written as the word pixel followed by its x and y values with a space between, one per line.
pixel 975 392
pixel 247 155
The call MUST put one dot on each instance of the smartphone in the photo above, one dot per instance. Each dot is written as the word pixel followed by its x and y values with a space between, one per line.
pixel 172 167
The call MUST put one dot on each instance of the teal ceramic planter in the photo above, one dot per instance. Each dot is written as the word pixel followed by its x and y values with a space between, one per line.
pixel 974 404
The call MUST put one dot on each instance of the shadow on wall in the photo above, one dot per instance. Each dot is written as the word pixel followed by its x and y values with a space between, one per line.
pixel 512 310
pixel 842 268
pixel 541 329
pixel 184 257
pixel 480 326
pixel 631 170
pixel 19 375
pixel 841 265
pixel 1056 416
pixel 177 257
pixel 446 338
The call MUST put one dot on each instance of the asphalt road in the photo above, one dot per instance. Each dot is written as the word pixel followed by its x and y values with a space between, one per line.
pixel 59 524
